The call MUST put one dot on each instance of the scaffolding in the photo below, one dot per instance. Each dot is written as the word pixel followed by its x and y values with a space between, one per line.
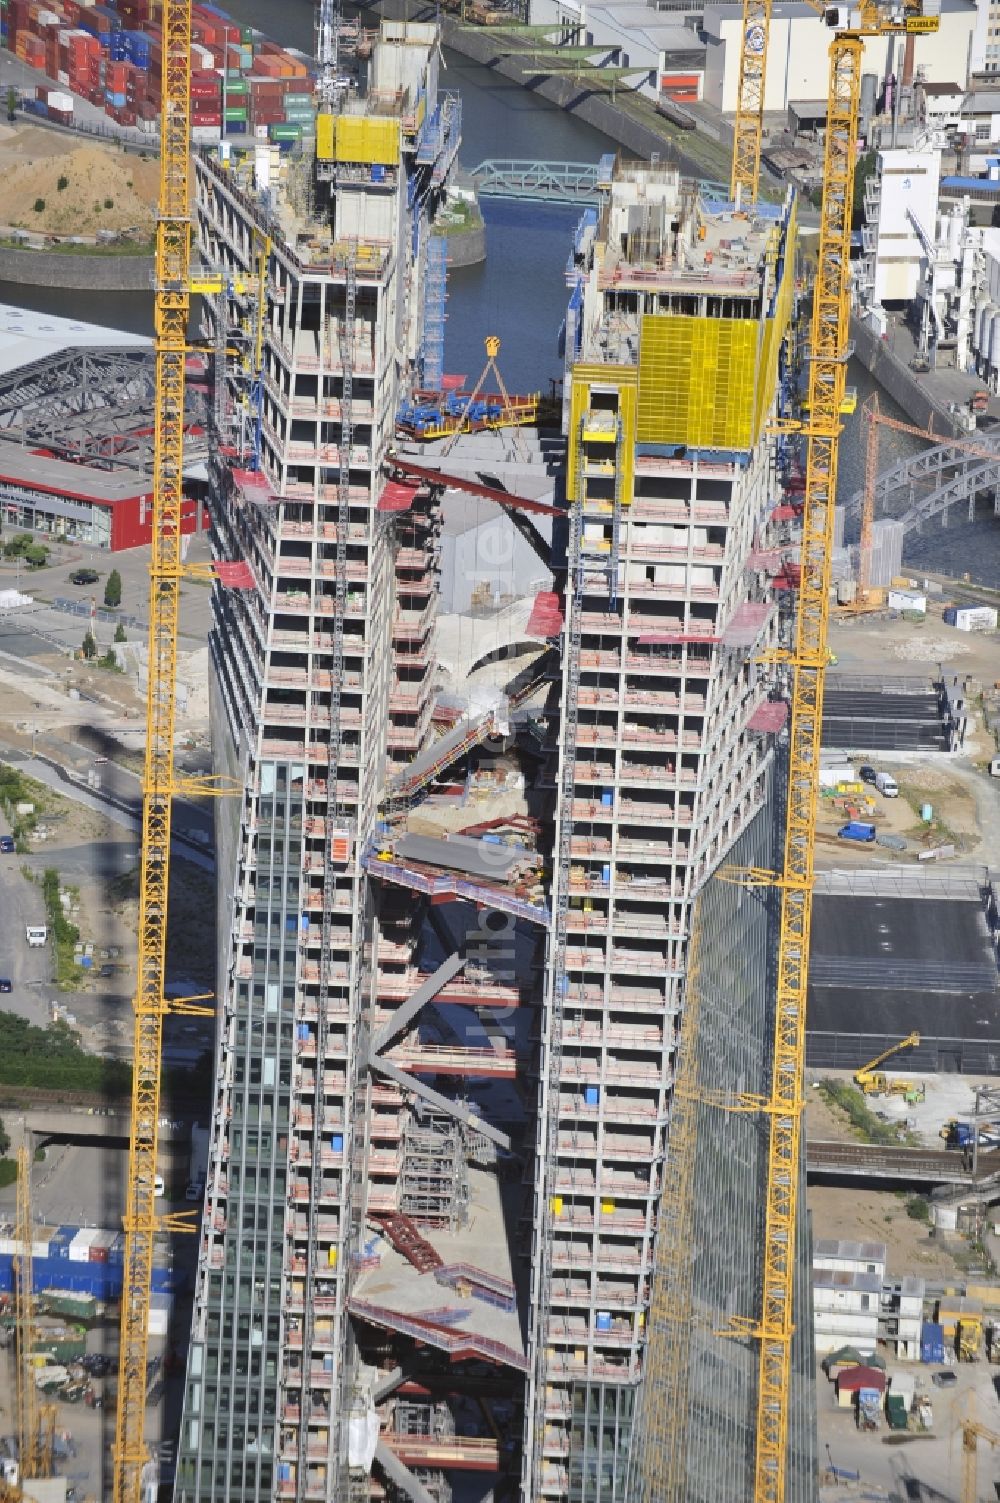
pixel 435 295
pixel 434 1184
pixel 550 1067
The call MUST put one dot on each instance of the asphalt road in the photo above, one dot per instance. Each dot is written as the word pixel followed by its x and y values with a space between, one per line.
pixel 21 903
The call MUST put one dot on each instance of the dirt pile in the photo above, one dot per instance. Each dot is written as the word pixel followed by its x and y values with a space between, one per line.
pixel 82 188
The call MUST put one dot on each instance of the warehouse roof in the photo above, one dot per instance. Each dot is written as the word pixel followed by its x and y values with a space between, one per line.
pixel 26 336
pixel 58 477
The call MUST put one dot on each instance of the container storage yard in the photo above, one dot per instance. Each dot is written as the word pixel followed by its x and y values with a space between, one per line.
pixel 241 85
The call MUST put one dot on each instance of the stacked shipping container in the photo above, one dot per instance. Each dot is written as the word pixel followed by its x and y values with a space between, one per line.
pixel 111 55
pixel 84 1260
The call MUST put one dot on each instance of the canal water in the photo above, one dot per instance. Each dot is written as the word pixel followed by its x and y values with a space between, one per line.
pixel 519 292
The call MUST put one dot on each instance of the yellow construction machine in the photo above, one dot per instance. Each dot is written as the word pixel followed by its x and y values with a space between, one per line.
pixel 874 1082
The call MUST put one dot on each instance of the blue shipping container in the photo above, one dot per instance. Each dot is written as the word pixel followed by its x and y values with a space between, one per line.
pixel 931 1342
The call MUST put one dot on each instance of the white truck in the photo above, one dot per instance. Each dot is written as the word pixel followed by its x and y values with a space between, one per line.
pixel 36 935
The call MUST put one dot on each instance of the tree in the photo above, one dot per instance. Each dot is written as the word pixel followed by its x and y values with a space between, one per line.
pixel 120 633
pixel 864 168
pixel 17 545
pixel 39 206
pixel 11 102
pixel 89 646
pixel 36 555
pixel 113 590
pixel 4 1139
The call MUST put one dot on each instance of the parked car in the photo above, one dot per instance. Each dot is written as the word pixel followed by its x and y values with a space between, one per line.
pixel 6 985
pixel 867 774
pixel 7 846
pixel 194 1191
pixel 84 576
pixel 945 1379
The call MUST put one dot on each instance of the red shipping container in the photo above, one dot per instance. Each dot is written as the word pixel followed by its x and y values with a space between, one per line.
pixel 215 119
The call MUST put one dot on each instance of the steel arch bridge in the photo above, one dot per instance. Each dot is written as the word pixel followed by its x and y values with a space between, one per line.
pixel 929 484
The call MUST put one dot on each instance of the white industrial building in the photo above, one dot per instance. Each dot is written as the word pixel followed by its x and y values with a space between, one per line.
pixel 798 62
pixel 847 1294
pixel 901 218
pixel 845 1310
pixel 635 35
pixel 920 244
pixel 902 1317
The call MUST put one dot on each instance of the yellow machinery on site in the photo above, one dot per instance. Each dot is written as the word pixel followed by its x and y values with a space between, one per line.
pixel 874 1082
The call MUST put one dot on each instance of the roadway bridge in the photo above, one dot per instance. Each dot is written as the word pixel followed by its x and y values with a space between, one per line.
pixel 929 1166
pixel 108 1122
pixel 557 182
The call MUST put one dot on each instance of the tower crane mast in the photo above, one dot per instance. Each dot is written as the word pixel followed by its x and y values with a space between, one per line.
pixel 748 127
pixel 24 1310
pixel 829 352
pixel 173 301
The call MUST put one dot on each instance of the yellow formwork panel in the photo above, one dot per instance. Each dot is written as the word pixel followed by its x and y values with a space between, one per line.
pixel 710 382
pixel 356 138
pixel 324 138
pixel 623 379
pixel 697 381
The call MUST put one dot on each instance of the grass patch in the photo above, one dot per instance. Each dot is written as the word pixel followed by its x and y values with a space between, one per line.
pixel 940 833
pixel 868 1127
pixel 65 936
pixel 51 1058
pixel 16 789
pixel 8 1173
pixel 459 218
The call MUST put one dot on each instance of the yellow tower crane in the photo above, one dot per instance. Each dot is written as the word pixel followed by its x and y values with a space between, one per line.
pixel 174 282
pixel 972 1433
pixel 173 300
pixel 748 127
pixel 808 660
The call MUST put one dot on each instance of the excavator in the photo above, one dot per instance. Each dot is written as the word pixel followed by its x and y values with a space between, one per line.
pixel 874 1082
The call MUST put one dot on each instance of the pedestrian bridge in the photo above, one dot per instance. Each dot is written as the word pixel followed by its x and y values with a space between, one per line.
pixel 557 182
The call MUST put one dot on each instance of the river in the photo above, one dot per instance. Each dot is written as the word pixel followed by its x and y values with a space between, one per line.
pixel 519 292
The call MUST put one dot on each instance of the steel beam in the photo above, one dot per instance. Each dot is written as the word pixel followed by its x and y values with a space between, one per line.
pixel 425 992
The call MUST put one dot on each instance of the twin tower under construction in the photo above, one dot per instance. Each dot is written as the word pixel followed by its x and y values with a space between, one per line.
pixel 465 1235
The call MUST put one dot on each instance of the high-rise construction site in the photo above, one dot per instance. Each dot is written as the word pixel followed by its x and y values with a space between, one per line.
pixel 442 1185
